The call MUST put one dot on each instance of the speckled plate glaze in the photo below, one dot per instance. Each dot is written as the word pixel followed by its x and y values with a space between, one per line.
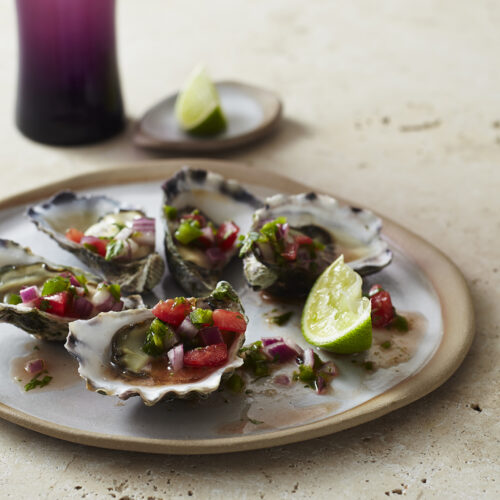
pixel 423 283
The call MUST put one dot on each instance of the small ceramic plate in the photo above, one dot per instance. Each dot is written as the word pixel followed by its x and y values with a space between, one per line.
pixel 252 113
pixel 424 284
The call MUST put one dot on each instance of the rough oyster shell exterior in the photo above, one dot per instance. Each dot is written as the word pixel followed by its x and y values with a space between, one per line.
pixel 90 342
pixel 65 210
pixel 220 199
pixel 21 264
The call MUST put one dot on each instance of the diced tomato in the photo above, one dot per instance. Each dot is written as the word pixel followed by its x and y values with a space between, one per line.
pixel 95 244
pixel 58 304
pixel 302 239
pixel 226 235
pixel 172 311
pixel 74 235
pixel 382 309
pixel 231 321
pixel 202 221
pixel 210 355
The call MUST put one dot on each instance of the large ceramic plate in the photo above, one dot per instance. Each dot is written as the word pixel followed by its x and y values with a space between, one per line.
pixel 423 282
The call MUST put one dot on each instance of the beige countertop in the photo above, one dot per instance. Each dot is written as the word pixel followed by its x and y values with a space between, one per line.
pixel 394 105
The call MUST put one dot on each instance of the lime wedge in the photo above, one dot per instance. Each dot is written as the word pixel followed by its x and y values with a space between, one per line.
pixel 197 108
pixel 336 316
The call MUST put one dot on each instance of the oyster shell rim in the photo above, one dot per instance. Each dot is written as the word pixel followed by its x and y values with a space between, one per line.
pixel 80 331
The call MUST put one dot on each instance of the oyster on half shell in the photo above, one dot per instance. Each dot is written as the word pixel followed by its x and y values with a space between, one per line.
pixel 109 351
pixel 20 267
pixel 313 231
pixel 67 210
pixel 217 200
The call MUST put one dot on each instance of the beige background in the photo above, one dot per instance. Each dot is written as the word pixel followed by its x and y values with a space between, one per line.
pixel 392 104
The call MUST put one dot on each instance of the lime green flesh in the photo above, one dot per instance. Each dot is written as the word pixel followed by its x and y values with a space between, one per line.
pixel 197 108
pixel 336 316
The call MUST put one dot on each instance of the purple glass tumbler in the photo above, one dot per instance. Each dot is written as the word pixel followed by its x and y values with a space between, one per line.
pixel 68 87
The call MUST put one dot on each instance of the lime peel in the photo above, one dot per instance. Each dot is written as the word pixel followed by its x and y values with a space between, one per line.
pixel 336 316
pixel 197 107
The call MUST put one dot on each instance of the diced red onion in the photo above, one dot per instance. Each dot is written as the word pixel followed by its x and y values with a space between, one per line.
pixel 329 368
pixel 145 238
pixel 30 293
pixel 103 300
pixel 309 358
pixel 320 384
pixel 282 379
pixel 208 233
pixel 211 335
pixel 282 231
pixel 294 346
pixel 215 255
pixel 82 307
pixel 34 366
pixel 71 278
pixel 176 357
pixel 118 306
pixel 186 329
pixel 143 224
pixel 124 233
pixel 280 351
pixel 271 340
pixel 79 290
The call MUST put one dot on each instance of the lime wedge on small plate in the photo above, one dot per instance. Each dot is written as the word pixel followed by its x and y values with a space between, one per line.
pixel 336 316
pixel 197 108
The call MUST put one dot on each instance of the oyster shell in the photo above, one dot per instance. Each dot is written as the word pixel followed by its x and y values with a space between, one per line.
pixel 351 231
pixel 94 344
pixel 20 267
pixel 216 198
pixel 67 210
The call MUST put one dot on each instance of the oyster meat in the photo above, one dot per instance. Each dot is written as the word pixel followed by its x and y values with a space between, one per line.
pixel 164 352
pixel 294 238
pixel 203 213
pixel 116 242
pixel 20 268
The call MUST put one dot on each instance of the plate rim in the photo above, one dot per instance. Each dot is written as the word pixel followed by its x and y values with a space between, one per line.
pixel 458 322
pixel 268 125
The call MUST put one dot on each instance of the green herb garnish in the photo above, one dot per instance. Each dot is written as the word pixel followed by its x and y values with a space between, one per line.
pixel 255 360
pixel 83 282
pixel 368 365
pixel 55 285
pixel 281 319
pixel 114 290
pixel 14 299
pixel 386 345
pixel 159 337
pixel 255 422
pixel 36 382
pixel 119 225
pixel 235 383
pixel 246 242
pixel 170 212
pixel 114 248
pixel 201 317
pixel 400 323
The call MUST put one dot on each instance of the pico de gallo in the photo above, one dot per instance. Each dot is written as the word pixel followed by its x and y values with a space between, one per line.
pixel 209 244
pixel 126 235
pixel 264 357
pixel 185 341
pixel 69 296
